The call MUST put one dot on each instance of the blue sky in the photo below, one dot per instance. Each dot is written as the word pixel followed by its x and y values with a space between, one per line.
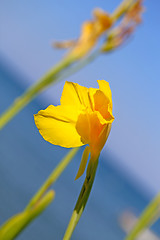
pixel 28 28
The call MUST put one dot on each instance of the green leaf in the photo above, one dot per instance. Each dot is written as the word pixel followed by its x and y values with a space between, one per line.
pixel 38 203
pixel 83 162
pixel 16 224
pixel 148 217
pixel 53 176
pixel 83 197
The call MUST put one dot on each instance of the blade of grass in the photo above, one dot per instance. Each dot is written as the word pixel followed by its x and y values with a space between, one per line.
pixel 38 203
pixel 53 177
pixel 16 224
pixel 57 73
pixel 50 77
pixel 148 217
pixel 82 199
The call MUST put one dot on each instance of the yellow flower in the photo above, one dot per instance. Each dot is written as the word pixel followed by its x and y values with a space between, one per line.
pixel 84 117
pixel 126 27
pixel 90 33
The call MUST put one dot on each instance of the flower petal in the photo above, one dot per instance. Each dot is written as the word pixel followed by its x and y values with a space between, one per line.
pixel 57 125
pixel 103 21
pixel 102 100
pixel 102 105
pixel 83 162
pixel 74 94
pixel 90 126
pixel 105 88
pixel 91 31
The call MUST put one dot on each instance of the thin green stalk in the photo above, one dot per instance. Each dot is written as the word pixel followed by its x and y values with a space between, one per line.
pixel 16 224
pixel 50 77
pixel 38 203
pixel 83 197
pixel 121 9
pixel 148 217
pixel 54 74
pixel 53 177
pixel 81 64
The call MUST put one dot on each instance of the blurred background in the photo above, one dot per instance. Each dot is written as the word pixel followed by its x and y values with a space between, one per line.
pixel 128 174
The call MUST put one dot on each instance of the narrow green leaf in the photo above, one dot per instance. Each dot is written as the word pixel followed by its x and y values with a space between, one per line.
pixel 53 177
pixel 49 78
pixel 57 73
pixel 83 198
pixel 148 217
pixel 38 203
pixel 83 162
pixel 16 224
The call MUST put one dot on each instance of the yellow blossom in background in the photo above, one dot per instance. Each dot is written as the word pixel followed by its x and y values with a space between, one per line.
pixel 101 24
pixel 119 34
pixel 90 33
pixel 84 117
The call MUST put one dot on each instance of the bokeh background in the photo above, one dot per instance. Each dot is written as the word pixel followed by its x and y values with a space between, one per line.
pixel 128 175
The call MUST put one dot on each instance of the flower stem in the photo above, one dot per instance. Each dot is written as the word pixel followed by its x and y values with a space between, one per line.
pixel 14 226
pixel 83 197
pixel 40 201
pixel 81 64
pixel 56 73
pixel 50 77
pixel 148 217
pixel 53 177
pixel 121 9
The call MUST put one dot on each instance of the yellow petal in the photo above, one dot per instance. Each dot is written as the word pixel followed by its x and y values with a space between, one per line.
pixel 83 162
pixel 103 21
pixel 90 126
pixel 87 31
pixel 64 44
pixel 83 128
pixel 57 125
pixel 105 88
pixel 102 105
pixel 102 100
pixel 92 92
pixel 96 127
pixel 99 132
pixel 86 41
pixel 102 138
pixel 74 94
pixel 91 31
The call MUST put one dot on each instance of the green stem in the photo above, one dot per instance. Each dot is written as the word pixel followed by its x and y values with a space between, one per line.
pixel 16 224
pixel 150 215
pixel 50 77
pixel 55 73
pixel 53 177
pixel 81 64
pixel 83 197
pixel 38 203
pixel 121 9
